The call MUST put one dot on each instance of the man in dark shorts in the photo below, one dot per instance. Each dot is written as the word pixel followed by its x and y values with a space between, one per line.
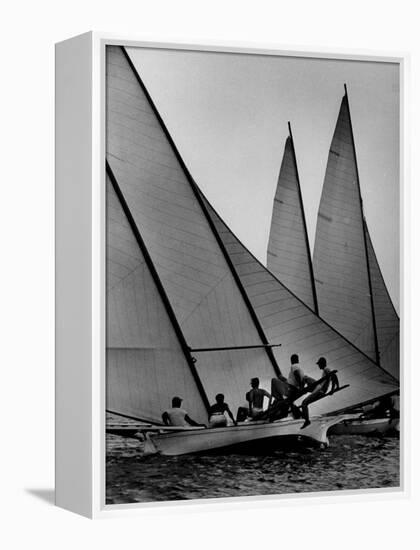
pixel 217 418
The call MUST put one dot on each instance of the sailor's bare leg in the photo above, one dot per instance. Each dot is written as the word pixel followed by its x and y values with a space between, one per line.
pixel 310 399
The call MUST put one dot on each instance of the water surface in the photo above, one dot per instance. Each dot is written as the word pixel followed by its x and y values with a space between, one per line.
pixel 350 462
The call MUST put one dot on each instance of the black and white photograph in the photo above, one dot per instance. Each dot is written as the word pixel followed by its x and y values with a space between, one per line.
pixel 252 274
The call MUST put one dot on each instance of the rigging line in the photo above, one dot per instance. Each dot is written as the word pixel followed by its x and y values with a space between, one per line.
pixel 123 415
pixel 200 201
pixel 160 288
pixel 308 250
pixel 257 346
pixel 364 233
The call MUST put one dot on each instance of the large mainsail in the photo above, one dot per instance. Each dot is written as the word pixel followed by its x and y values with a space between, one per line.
pixel 146 365
pixel 288 253
pixel 350 290
pixel 209 304
pixel 286 319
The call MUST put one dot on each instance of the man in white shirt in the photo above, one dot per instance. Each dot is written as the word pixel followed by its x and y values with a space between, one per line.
pixel 175 416
pixel 296 378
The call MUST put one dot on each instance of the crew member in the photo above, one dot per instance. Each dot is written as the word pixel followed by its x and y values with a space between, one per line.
pixel 255 398
pixel 320 389
pixel 296 378
pixel 217 417
pixel 175 416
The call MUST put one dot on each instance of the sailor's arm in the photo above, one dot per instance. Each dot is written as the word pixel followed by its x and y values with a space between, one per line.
pixel 335 385
pixel 248 397
pixel 231 415
pixel 165 419
pixel 192 422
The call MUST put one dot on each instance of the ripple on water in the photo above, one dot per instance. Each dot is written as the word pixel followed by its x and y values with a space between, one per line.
pixel 350 462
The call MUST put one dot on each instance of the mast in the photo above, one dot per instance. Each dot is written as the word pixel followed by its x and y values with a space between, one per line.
pixel 308 250
pixel 372 305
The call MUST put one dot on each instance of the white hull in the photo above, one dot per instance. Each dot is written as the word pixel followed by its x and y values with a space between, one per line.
pixel 199 441
pixel 361 427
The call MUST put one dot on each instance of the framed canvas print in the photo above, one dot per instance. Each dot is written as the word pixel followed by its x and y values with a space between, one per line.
pixel 228 273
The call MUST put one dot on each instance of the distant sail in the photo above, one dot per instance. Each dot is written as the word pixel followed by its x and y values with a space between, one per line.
pixel 386 318
pixel 288 320
pixel 340 257
pixel 209 305
pixel 146 366
pixel 288 254
pixel 351 293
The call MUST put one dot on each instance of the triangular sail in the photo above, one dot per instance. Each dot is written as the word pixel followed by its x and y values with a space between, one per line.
pixel 288 254
pixel 386 318
pixel 146 366
pixel 286 319
pixel 199 282
pixel 340 257
pixel 351 292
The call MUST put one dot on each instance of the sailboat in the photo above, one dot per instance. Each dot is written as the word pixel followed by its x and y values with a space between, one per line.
pixel 189 311
pixel 345 268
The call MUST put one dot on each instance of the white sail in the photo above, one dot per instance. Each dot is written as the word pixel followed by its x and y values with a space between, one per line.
pixel 195 273
pixel 288 320
pixel 146 365
pixel 288 254
pixel 340 257
pixel 386 318
pixel 351 292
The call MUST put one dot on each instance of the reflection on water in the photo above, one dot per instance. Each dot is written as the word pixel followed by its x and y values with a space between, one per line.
pixel 350 462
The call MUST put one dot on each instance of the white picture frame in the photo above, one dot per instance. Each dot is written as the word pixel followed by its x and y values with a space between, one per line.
pixel 80 269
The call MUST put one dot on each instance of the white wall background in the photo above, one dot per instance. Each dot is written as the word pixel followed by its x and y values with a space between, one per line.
pixel 29 30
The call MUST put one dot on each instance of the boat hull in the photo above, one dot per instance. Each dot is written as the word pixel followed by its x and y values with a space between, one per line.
pixel 243 435
pixel 364 427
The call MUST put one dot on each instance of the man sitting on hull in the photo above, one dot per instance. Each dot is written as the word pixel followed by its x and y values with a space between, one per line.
pixel 298 383
pixel 255 398
pixel 175 416
pixel 285 391
pixel 320 389
pixel 218 411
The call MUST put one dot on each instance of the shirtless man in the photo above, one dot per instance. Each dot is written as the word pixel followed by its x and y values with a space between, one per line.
pixel 255 398
pixel 217 417
pixel 320 389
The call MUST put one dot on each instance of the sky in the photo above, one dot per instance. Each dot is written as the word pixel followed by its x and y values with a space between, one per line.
pixel 228 113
